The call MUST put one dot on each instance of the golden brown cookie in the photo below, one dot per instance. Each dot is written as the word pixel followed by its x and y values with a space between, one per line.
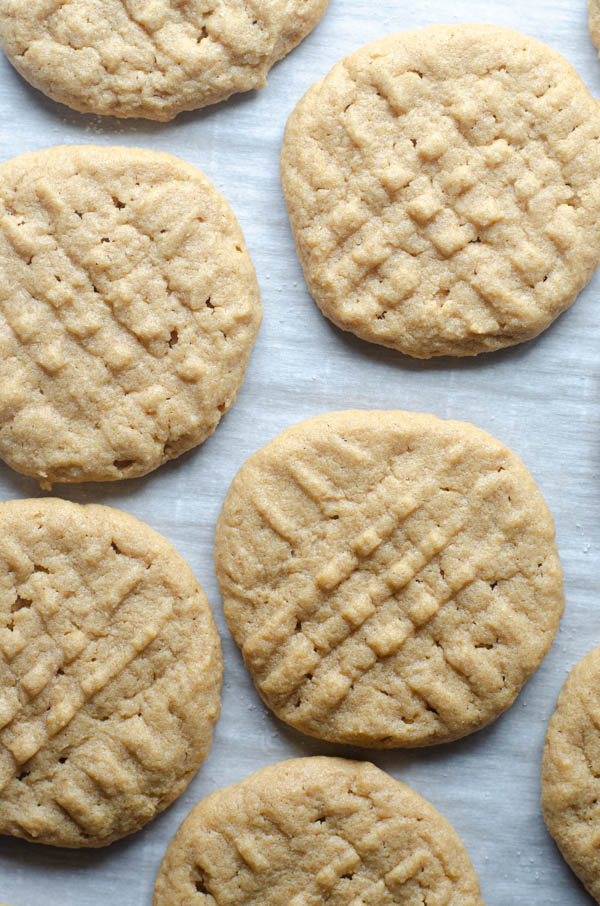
pixel 391 579
pixel 571 772
pixel 128 310
pixel 110 673
pixel 443 187
pixel 150 58
pixel 313 830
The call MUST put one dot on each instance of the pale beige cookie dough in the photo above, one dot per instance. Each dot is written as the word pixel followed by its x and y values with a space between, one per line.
pixel 110 673
pixel 391 579
pixel 443 187
pixel 571 772
pixel 150 58
pixel 128 310
pixel 316 830
pixel 594 20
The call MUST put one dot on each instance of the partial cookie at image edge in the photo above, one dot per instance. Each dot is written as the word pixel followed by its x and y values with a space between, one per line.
pixel 152 63
pixel 110 673
pixel 129 307
pixel 571 772
pixel 594 21
pixel 309 828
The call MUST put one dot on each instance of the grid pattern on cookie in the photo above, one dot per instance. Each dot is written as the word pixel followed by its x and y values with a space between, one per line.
pixel 121 340
pixel 444 189
pixel 109 675
pixel 321 830
pixel 390 580
pixel 571 772
pixel 151 57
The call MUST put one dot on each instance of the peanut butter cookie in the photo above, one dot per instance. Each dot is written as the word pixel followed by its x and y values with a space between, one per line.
pixel 391 579
pixel 150 58
pixel 313 830
pixel 110 673
pixel 443 187
pixel 128 310
pixel 571 772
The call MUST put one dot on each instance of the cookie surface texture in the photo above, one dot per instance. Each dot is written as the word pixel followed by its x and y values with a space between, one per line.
pixel 443 187
pixel 594 21
pixel 391 579
pixel 150 58
pixel 310 830
pixel 128 310
pixel 571 772
pixel 110 673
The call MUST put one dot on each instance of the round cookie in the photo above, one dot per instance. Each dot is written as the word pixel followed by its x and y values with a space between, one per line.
pixel 128 310
pixel 594 20
pixel 314 830
pixel 571 772
pixel 150 58
pixel 443 187
pixel 391 579
pixel 110 673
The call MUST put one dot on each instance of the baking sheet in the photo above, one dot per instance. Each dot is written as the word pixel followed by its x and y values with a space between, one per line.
pixel 541 398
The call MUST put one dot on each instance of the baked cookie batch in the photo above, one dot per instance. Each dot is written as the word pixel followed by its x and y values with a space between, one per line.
pixel 391 579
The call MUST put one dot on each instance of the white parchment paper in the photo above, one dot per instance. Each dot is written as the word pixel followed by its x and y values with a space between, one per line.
pixel 541 398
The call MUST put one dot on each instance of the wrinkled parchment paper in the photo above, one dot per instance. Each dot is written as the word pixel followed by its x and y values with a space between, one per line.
pixel 541 398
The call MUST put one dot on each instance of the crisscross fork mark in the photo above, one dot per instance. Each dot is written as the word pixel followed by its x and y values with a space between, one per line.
pixel 359 673
pixel 373 618
pixel 89 687
pixel 323 490
pixel 370 620
pixel 462 676
pixel 54 313
pixel 263 506
pixel 16 680
pixel 86 273
pixel 172 294
pixel 394 116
